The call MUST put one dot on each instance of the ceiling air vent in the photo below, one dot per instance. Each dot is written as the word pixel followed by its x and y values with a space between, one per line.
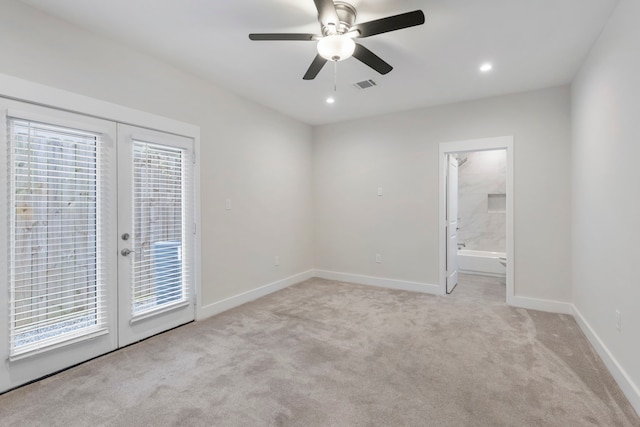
pixel 365 84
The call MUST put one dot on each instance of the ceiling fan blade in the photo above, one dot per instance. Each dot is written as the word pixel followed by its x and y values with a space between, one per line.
pixel 327 12
pixel 285 36
pixel 390 23
pixel 369 58
pixel 315 68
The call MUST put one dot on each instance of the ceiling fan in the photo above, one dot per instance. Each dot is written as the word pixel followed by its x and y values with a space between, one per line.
pixel 336 43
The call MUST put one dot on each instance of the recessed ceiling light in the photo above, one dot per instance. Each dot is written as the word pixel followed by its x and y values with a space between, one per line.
pixel 330 100
pixel 486 67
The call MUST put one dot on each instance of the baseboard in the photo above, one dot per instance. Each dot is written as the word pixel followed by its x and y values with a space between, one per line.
pixel 378 281
pixel 629 388
pixel 245 297
pixel 541 305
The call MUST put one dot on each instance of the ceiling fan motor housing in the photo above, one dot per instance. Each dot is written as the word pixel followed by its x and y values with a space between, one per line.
pixel 346 15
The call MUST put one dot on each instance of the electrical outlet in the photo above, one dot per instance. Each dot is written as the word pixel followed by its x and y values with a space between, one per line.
pixel 378 258
pixel 619 320
pixel 276 261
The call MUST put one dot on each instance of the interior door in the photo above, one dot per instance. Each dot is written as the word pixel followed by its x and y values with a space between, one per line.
pixel 59 284
pixel 155 237
pixel 452 222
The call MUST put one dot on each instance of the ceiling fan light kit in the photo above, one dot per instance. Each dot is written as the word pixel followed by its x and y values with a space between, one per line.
pixel 337 24
pixel 336 47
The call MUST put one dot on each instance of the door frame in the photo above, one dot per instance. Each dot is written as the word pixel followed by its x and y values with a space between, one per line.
pixel 483 144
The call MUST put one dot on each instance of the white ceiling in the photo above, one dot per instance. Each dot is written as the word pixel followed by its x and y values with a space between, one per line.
pixel 532 44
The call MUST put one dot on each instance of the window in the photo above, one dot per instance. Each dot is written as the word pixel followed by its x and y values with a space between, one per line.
pixel 55 269
pixel 158 204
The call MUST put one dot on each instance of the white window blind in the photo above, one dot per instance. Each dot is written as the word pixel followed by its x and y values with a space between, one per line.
pixel 159 203
pixel 56 266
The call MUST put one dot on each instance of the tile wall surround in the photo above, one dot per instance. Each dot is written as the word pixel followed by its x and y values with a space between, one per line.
pixel 481 175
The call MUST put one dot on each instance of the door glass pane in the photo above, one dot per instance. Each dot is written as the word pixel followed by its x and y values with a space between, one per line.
pixel 158 213
pixel 55 274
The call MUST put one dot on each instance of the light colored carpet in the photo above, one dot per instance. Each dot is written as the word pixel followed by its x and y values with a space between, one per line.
pixel 324 353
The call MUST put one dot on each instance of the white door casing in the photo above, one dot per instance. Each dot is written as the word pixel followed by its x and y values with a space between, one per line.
pixel 495 143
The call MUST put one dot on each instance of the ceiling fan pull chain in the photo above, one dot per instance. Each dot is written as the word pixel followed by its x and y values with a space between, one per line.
pixel 335 76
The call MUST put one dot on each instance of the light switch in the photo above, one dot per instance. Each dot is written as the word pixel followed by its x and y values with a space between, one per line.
pixel 379 191
pixel 227 204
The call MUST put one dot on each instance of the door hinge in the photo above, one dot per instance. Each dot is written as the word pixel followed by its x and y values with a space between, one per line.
pixel 194 228
pixel 193 157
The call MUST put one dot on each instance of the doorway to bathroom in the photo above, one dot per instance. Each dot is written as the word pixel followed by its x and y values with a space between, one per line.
pixel 476 212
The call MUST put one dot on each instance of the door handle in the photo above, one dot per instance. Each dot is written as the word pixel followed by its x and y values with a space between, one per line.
pixel 126 252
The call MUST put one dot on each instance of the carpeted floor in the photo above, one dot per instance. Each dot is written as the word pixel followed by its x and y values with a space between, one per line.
pixel 324 353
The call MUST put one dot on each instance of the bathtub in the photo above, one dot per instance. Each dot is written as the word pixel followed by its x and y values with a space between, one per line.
pixel 481 262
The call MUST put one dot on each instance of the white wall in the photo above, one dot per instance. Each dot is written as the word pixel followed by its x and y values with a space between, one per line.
pixel 399 152
pixel 258 158
pixel 606 195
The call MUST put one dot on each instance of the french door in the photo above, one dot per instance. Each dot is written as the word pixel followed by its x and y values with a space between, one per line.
pixel 155 232
pixel 97 245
